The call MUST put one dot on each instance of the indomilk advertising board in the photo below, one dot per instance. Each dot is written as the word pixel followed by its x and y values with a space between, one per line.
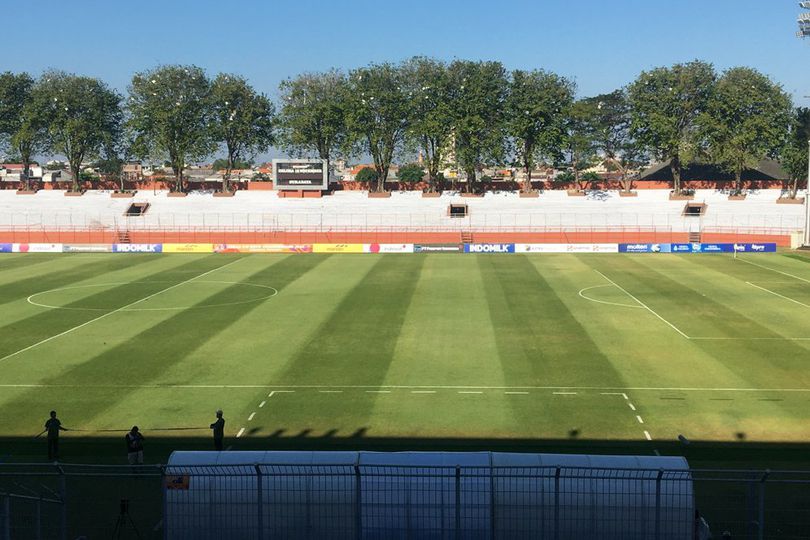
pixel 294 174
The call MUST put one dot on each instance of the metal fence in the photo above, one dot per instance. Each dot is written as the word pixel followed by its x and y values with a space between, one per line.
pixel 345 501
pixel 772 223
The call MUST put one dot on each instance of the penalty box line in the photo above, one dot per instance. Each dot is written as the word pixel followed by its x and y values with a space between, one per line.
pixel 642 304
pixel 113 312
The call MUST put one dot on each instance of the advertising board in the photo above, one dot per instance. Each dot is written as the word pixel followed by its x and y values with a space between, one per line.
pixel 388 248
pixel 263 248
pixel 138 248
pixel 188 248
pixel 36 248
pixel 645 248
pixel 337 248
pixel 489 248
pixel 306 174
pixel 5 248
pixel 755 248
pixel 436 248
pixel 87 248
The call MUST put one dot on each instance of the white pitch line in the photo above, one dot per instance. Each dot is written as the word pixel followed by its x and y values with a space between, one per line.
pixel 330 391
pixel 640 420
pixel 581 293
pixel 113 312
pixel 625 396
pixel 774 270
pixel 632 407
pixel 241 431
pixel 251 416
pixel 645 306
pixel 262 404
pixel 779 295
pixel 423 391
pixel 378 391
pixel 647 435
pixel 393 387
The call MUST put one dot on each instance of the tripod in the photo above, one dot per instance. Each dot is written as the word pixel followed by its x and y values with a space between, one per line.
pixel 124 521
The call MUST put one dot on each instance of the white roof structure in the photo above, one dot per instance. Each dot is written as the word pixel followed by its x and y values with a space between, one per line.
pixel 354 211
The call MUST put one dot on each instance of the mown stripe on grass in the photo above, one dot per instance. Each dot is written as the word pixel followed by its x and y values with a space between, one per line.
pixel 10 262
pixel 24 332
pixel 762 363
pixel 540 342
pixel 148 355
pixel 356 344
pixel 64 277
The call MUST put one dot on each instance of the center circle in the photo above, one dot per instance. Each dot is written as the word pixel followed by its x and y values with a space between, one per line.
pixel 266 292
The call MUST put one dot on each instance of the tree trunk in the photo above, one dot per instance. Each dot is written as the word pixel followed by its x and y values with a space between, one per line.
pixel 675 168
pixel 794 188
pixel 527 184
pixel 25 154
pixel 738 181
pixel 178 180
pixel 75 172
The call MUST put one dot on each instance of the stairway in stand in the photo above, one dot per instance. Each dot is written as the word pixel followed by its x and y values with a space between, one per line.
pixel 466 237
pixel 123 237
pixel 694 237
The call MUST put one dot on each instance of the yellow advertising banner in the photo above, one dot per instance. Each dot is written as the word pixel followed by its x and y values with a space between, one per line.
pixel 188 248
pixel 337 248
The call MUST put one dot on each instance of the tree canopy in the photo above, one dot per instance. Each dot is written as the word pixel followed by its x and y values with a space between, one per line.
pixel 20 128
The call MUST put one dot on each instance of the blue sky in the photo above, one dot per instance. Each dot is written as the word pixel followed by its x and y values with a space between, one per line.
pixel 602 45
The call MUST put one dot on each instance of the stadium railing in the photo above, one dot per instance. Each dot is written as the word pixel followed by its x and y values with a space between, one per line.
pixel 345 501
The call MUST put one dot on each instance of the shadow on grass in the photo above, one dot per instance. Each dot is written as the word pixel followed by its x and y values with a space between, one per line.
pixel 739 454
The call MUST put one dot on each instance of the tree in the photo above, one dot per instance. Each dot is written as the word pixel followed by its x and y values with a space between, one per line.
pixel 242 120
pixel 431 126
pixel 580 150
pixel 19 126
pixel 170 114
pixel 378 112
pixel 613 137
pixel 666 105
pixel 82 116
pixel 312 116
pixel 535 116
pixel 747 120
pixel 794 153
pixel 412 173
pixel 366 175
pixel 479 130
pixel 220 164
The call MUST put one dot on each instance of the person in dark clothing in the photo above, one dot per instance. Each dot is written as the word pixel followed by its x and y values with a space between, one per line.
pixel 134 446
pixel 53 426
pixel 219 431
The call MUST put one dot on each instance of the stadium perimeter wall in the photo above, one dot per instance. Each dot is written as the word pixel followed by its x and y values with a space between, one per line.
pixel 79 236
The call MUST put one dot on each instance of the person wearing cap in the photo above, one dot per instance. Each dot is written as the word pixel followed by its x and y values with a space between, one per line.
pixel 134 446
pixel 53 426
pixel 218 428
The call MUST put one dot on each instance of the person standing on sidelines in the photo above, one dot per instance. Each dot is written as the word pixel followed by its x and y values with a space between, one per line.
pixel 134 446
pixel 53 426
pixel 219 431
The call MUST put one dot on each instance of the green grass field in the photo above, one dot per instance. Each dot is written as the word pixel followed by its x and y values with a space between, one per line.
pixel 590 353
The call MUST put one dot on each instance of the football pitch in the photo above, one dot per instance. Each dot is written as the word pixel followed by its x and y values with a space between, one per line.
pixel 589 353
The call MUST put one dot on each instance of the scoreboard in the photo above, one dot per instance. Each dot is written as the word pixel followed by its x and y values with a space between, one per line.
pixel 305 174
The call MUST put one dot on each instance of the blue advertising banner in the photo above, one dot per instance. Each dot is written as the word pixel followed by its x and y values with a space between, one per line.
pixel 717 248
pixel 682 248
pixel 489 248
pixel 755 248
pixel 5 248
pixel 138 248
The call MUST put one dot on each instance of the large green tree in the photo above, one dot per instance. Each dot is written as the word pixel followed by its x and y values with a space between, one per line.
pixel 312 116
pixel 20 127
pixel 171 117
pixel 612 116
pixel 580 150
pixel 747 120
pixel 378 113
pixel 82 116
pixel 536 106
pixel 479 129
pixel 432 107
pixel 667 103
pixel 794 153
pixel 242 120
